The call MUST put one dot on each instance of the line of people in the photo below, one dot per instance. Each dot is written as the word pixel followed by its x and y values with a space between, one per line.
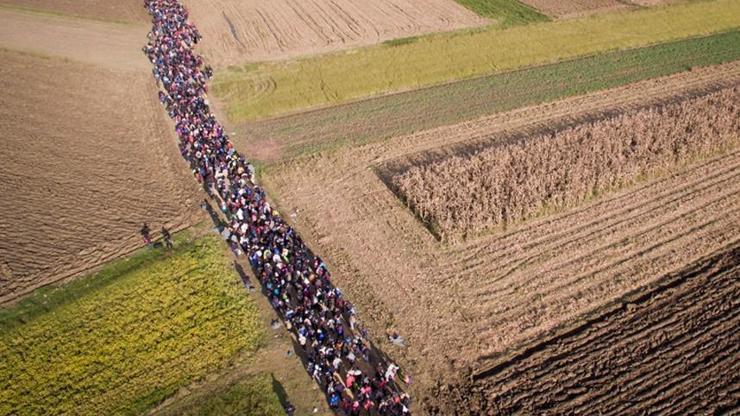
pixel 337 352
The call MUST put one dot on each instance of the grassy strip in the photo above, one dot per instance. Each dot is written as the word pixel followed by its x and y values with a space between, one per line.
pixel 404 113
pixel 255 396
pixel 505 12
pixel 127 338
pixel 268 89
pixel 46 299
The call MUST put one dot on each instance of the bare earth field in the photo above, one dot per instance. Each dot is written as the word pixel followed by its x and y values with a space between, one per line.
pixel 118 11
pixel 576 8
pixel 110 45
pixel 251 30
pixel 465 306
pixel 671 349
pixel 87 157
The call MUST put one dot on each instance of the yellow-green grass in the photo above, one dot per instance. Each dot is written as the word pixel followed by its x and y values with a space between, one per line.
pixel 254 395
pixel 262 90
pixel 125 339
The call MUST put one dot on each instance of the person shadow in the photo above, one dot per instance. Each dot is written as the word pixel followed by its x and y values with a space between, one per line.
pixel 282 395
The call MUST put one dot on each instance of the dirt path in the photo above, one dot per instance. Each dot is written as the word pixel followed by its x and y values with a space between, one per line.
pixel 459 306
pixel 109 45
pixel 252 30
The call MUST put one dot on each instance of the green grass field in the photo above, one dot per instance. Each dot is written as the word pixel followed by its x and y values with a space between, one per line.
pixel 254 396
pixel 505 12
pixel 261 90
pixel 397 114
pixel 121 341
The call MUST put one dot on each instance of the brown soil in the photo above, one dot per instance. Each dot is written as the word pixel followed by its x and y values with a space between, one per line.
pixel 114 46
pixel 88 155
pixel 253 30
pixel 523 178
pixel 461 306
pixel 671 349
pixel 112 10
pixel 575 8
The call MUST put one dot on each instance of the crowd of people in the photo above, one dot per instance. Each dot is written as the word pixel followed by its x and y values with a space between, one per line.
pixel 336 350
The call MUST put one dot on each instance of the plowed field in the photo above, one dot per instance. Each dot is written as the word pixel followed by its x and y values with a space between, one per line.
pixel 253 30
pixel 670 350
pixel 463 306
pixel 82 162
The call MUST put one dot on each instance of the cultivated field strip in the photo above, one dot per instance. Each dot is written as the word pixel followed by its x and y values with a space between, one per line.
pixel 426 146
pixel 322 80
pixel 412 111
pixel 671 349
pixel 467 303
pixel 253 30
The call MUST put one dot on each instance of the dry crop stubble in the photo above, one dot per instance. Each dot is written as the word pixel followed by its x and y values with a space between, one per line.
pixel 516 181
pixel 455 303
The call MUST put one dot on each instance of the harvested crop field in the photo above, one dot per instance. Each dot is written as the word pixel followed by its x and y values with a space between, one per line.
pixel 671 349
pixel 518 180
pixel 472 303
pixel 574 8
pixel 87 157
pixel 253 30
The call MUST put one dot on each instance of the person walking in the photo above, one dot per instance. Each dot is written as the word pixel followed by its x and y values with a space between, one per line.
pixel 167 238
pixel 145 234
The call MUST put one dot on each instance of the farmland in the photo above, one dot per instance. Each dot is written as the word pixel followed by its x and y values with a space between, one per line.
pixel 515 181
pixel 262 90
pixel 253 31
pixel 481 299
pixel 671 348
pixel 400 114
pixel 131 340
pixel 532 206
pixel 78 199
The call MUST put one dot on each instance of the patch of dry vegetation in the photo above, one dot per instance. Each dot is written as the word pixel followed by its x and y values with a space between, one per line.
pixel 518 180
